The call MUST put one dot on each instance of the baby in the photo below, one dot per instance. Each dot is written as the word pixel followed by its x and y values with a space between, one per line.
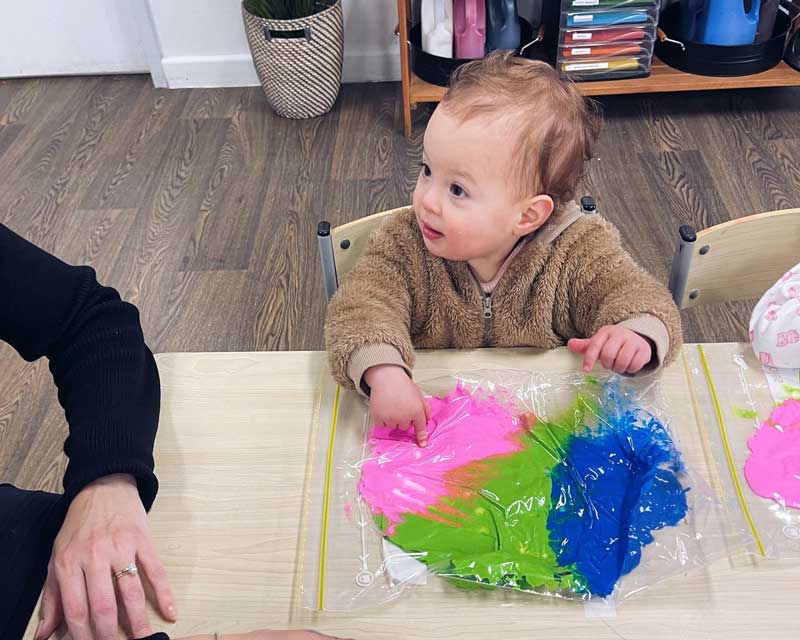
pixel 494 251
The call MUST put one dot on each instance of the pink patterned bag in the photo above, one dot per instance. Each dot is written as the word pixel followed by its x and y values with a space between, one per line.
pixel 775 323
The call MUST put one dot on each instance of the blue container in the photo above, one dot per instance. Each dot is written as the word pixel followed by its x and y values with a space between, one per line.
pixel 725 23
pixel 691 14
pixel 502 25
pixel 606 18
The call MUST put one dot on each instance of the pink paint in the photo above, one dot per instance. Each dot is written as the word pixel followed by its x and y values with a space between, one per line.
pixel 792 336
pixel 402 477
pixel 348 510
pixel 773 468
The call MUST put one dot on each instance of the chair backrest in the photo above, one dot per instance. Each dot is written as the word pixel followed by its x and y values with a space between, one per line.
pixel 341 247
pixel 736 260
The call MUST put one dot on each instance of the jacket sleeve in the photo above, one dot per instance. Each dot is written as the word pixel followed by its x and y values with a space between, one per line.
pixel 369 317
pixel 106 376
pixel 607 287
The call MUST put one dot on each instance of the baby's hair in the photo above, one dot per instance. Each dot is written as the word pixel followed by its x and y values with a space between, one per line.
pixel 557 126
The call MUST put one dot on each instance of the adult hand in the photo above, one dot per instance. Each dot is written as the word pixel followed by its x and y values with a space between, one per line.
pixel 265 634
pixel 104 531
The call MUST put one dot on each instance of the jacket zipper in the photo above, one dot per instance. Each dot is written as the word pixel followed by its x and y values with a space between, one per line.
pixel 486 308
pixel 487 305
pixel 487 316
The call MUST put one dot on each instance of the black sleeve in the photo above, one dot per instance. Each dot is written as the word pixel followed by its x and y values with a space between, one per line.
pixel 106 376
pixel 157 636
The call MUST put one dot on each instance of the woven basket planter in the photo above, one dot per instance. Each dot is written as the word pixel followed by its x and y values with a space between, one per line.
pixel 300 76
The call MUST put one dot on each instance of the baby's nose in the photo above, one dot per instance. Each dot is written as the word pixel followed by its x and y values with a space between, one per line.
pixel 430 202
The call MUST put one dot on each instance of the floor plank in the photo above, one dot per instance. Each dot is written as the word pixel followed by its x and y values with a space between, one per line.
pixel 201 206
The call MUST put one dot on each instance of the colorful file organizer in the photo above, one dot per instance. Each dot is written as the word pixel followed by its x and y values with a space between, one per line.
pixel 606 39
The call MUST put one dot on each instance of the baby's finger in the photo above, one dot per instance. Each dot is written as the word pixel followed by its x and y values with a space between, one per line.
pixel 420 426
pixel 390 422
pixel 641 358
pixel 593 351
pixel 625 357
pixel 578 345
pixel 610 351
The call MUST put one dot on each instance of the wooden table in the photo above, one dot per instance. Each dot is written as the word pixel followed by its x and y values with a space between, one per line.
pixel 231 457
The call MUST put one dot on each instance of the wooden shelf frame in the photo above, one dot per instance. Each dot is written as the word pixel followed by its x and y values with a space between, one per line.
pixel 661 79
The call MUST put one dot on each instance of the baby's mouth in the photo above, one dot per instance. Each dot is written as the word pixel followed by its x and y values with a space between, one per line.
pixel 429 232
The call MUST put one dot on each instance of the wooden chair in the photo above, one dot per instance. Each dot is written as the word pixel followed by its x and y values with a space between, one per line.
pixel 736 260
pixel 340 247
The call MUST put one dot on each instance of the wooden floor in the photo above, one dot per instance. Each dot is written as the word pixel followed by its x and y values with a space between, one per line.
pixel 200 206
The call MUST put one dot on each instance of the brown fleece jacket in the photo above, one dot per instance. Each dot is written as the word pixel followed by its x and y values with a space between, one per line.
pixel 570 279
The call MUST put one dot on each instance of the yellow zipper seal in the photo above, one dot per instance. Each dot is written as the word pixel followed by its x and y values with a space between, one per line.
pixel 728 454
pixel 323 551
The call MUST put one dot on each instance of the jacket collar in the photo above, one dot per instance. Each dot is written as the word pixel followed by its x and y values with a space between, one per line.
pixel 557 223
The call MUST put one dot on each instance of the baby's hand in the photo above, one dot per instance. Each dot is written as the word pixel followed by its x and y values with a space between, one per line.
pixel 618 348
pixel 395 401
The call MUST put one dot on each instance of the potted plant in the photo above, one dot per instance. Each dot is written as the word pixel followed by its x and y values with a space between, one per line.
pixel 297 48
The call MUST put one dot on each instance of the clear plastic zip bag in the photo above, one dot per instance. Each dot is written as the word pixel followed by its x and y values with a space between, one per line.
pixel 550 484
pixel 741 410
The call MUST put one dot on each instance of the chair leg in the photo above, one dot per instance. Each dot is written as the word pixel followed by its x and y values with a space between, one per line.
pixel 681 263
pixel 326 258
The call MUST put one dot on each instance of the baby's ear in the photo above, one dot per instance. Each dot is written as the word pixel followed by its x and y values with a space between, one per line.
pixel 535 213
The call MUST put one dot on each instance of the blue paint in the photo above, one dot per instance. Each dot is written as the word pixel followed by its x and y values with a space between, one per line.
pixel 617 485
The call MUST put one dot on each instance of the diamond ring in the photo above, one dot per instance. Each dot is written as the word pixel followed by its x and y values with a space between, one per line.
pixel 131 569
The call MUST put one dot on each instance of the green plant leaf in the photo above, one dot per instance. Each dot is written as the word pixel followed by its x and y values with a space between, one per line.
pixel 285 9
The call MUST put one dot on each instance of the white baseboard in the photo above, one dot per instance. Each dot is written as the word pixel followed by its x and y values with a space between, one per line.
pixel 371 66
pixel 236 70
pixel 189 72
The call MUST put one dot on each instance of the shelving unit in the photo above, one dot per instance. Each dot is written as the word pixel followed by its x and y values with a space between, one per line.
pixel 662 78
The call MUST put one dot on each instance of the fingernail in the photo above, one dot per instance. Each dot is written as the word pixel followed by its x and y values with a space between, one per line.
pixel 172 612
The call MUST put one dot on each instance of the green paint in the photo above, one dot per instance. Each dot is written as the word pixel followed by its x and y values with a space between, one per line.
pixel 748 414
pixel 486 532
pixel 792 392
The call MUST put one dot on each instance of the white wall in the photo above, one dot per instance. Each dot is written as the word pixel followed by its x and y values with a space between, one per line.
pixel 204 44
pixel 53 37
pixel 184 43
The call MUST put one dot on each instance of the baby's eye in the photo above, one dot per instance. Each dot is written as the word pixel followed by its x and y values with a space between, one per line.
pixel 457 190
pixel 426 170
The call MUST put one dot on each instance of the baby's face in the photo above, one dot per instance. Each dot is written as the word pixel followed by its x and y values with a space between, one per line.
pixel 464 201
